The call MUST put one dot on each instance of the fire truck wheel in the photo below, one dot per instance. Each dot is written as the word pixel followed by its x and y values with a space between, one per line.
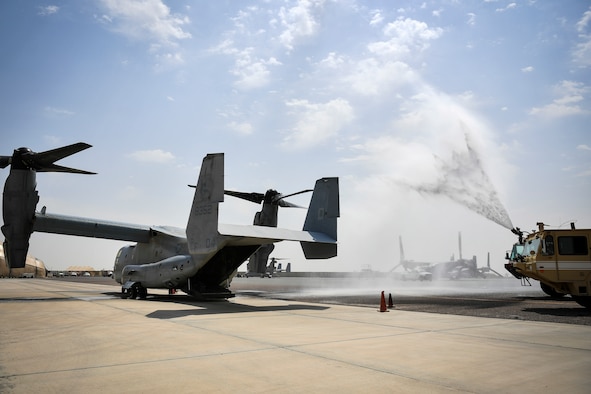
pixel 550 291
pixel 583 301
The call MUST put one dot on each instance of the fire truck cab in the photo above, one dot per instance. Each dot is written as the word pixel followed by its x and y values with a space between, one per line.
pixel 559 259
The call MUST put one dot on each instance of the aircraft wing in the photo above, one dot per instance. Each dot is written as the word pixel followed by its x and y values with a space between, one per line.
pixel 260 235
pixel 94 228
pixel 97 228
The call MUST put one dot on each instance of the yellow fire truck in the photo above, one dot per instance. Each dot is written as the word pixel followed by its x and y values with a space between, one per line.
pixel 559 259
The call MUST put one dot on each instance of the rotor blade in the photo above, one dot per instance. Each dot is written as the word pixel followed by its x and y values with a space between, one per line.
pixel 43 161
pixel 296 193
pixel 287 204
pixel 56 168
pixel 5 161
pixel 252 197
pixel 282 203
pixel 51 156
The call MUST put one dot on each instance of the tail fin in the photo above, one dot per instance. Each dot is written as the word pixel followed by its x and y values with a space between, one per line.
pixel 322 218
pixel 202 227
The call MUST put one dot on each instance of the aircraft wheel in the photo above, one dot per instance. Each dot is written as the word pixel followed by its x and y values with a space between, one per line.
pixel 133 293
pixel 142 292
pixel 124 294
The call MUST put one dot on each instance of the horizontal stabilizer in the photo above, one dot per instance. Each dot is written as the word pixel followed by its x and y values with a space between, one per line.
pixel 319 251
pixel 260 235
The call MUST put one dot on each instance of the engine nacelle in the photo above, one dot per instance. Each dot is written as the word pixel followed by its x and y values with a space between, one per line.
pixel 20 197
pixel 18 211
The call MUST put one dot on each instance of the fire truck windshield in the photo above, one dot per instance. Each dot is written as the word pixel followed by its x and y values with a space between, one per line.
pixel 516 252
pixel 531 246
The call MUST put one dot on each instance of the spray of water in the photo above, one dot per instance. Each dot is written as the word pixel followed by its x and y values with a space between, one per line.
pixel 464 181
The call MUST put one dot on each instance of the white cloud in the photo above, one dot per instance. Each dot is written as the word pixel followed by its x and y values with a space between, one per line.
pixel 376 18
pixel 298 21
pixel 584 147
pixel 585 173
pixel 165 59
pixel 317 122
pixel 509 6
pixel 152 156
pixel 148 20
pixel 244 128
pixel 527 69
pixel 571 95
pixel 371 76
pixel 471 19
pixel 226 47
pixel 252 72
pixel 405 36
pixel 584 21
pixel 332 60
pixel 58 112
pixel 48 10
pixel 387 68
pixel 582 50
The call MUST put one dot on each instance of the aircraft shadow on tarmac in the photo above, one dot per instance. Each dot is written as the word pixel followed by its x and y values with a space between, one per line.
pixel 214 307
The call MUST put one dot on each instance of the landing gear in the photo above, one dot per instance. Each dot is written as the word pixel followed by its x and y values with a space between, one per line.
pixel 134 291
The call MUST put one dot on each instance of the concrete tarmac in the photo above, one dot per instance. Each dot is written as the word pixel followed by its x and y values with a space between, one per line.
pixel 61 337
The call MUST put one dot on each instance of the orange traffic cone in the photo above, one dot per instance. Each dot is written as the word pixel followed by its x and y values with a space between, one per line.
pixel 383 304
pixel 390 303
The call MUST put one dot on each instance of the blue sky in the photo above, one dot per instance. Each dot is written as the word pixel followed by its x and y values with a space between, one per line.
pixel 434 115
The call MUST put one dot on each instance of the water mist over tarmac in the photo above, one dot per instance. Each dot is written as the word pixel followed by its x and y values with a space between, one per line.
pixel 464 180
pixel 362 284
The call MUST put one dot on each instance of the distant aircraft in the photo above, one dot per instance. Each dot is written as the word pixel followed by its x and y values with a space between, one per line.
pixel 275 267
pixel 199 260
pixel 413 270
pixel 409 264
pixel 451 269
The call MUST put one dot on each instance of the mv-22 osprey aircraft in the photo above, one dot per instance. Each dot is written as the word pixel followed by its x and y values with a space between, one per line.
pixel 199 260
